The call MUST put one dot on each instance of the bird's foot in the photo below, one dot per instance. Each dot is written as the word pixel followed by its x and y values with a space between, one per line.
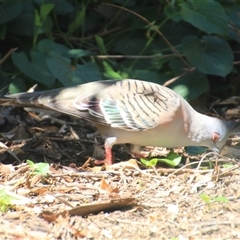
pixel 99 162
pixel 108 159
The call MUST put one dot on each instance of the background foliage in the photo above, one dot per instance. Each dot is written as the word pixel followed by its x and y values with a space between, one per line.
pixel 69 42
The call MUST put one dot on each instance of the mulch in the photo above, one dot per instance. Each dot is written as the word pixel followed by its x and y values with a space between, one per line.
pixel 78 200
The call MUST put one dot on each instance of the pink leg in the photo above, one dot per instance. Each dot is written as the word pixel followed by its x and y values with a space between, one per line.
pixel 109 142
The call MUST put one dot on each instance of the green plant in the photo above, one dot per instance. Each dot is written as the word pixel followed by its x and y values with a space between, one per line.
pixel 39 168
pixel 64 43
pixel 172 160
pixel 210 200
pixel 5 201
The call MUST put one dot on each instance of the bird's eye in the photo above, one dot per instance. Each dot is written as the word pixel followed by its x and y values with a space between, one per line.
pixel 215 137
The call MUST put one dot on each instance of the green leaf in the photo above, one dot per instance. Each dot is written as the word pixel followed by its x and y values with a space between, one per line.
pixel 227 165
pixel 78 53
pixel 9 10
pixel 149 163
pixel 4 197
pixel 220 199
pixel 45 9
pixel 37 69
pixel 79 20
pixel 109 72
pixel 30 163
pixel 172 160
pixel 191 85
pixel 46 26
pixel 173 12
pixel 209 55
pixel 100 44
pixel 17 85
pixel 208 16
pixel 232 11
pixel 39 168
pixel 37 19
pixel 70 75
pixel 46 46
pixel 61 7
pixel 205 197
pixel 5 201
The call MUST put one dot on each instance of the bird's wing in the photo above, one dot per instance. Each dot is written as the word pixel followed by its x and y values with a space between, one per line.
pixel 131 105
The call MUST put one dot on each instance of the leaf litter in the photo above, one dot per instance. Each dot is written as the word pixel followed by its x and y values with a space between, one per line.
pixel 50 188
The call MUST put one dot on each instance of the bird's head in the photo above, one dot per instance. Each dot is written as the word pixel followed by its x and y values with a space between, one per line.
pixel 220 131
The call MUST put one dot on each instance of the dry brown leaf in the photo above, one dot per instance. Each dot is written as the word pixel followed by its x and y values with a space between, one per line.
pixel 113 192
pixel 49 216
pixel 97 169
pixel 33 180
pixel 132 164
pixel 81 234
pixel 28 181
pixel 105 186
pixel 34 116
pixel 152 218
pixel 68 179
pixel 39 190
pixel 53 170
pixel 137 208
pixel 5 169
pixel 63 219
pixel 51 129
pixel 115 204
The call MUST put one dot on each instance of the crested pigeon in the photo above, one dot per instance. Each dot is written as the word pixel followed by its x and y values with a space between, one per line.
pixel 132 111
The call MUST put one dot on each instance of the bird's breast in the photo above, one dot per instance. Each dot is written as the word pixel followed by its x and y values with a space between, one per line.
pixel 166 135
